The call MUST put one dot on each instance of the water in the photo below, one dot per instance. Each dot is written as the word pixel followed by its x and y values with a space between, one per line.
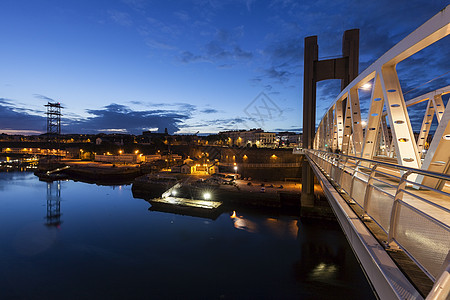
pixel 108 245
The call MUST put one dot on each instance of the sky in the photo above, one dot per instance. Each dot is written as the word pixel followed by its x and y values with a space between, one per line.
pixel 127 66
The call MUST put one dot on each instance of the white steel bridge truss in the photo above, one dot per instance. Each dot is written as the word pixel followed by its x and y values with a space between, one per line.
pixel 410 200
pixel 340 129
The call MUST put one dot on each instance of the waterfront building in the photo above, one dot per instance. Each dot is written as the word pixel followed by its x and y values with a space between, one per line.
pixel 289 139
pixel 249 138
pixel 121 158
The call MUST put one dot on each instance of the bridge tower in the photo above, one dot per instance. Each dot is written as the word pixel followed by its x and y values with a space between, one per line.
pixel 344 68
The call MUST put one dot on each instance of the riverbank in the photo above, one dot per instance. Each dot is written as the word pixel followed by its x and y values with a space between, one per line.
pixel 93 172
pixel 248 192
pixel 251 193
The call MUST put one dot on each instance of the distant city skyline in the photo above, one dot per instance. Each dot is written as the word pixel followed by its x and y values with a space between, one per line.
pixel 128 66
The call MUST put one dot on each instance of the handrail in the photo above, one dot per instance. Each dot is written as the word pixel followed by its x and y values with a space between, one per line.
pixel 403 168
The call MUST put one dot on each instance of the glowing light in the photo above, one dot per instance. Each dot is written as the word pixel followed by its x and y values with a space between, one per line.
pixel 120 151
pixel 207 196
pixel 363 123
pixel 174 193
pixel 136 152
pixel 367 86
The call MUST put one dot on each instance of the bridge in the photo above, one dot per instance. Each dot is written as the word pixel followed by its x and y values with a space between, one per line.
pixel 388 187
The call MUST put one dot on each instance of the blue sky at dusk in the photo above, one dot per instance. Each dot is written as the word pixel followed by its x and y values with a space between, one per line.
pixel 135 65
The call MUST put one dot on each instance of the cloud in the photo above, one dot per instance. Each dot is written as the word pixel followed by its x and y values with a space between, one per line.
pixel 209 111
pixel 183 107
pixel 138 5
pixel 182 15
pixel 215 51
pixel 137 102
pixel 285 60
pixel 280 75
pixel 223 123
pixel 291 129
pixel 286 50
pixel 111 118
pixel 159 45
pixel 13 119
pixel 186 107
pixel 161 28
pixel 119 17
pixel 224 47
pixel 116 116
pixel 249 4
pixel 44 98
pixel 189 57
pixel 241 54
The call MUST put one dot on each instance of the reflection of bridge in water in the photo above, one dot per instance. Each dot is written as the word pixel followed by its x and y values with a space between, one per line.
pixel 389 189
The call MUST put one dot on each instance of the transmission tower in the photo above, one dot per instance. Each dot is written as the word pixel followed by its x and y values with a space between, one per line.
pixel 53 122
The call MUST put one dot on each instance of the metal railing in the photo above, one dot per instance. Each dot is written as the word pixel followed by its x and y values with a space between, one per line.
pixel 412 215
pixel 263 165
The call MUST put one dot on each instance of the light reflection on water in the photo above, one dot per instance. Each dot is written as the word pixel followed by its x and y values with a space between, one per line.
pixel 243 224
pixel 108 245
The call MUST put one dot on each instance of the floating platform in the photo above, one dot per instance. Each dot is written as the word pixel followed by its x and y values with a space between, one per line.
pixel 183 202
pixel 187 207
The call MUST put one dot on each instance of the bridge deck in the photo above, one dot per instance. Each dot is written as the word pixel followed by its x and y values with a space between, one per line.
pixel 417 220
pixel 419 279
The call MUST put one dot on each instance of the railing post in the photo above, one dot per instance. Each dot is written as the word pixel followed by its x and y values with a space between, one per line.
pixel 342 171
pixel 353 180
pixel 392 245
pixel 441 288
pixel 365 216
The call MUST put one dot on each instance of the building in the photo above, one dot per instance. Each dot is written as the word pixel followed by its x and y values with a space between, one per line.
pixel 121 158
pixel 250 138
pixel 289 139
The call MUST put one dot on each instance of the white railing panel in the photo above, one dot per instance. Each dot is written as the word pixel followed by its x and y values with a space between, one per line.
pixel 346 182
pixel 427 241
pixel 379 207
pixel 358 191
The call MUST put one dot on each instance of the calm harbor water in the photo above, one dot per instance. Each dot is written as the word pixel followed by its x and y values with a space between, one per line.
pixel 108 245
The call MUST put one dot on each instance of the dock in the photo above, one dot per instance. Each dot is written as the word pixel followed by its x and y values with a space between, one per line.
pixel 190 203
